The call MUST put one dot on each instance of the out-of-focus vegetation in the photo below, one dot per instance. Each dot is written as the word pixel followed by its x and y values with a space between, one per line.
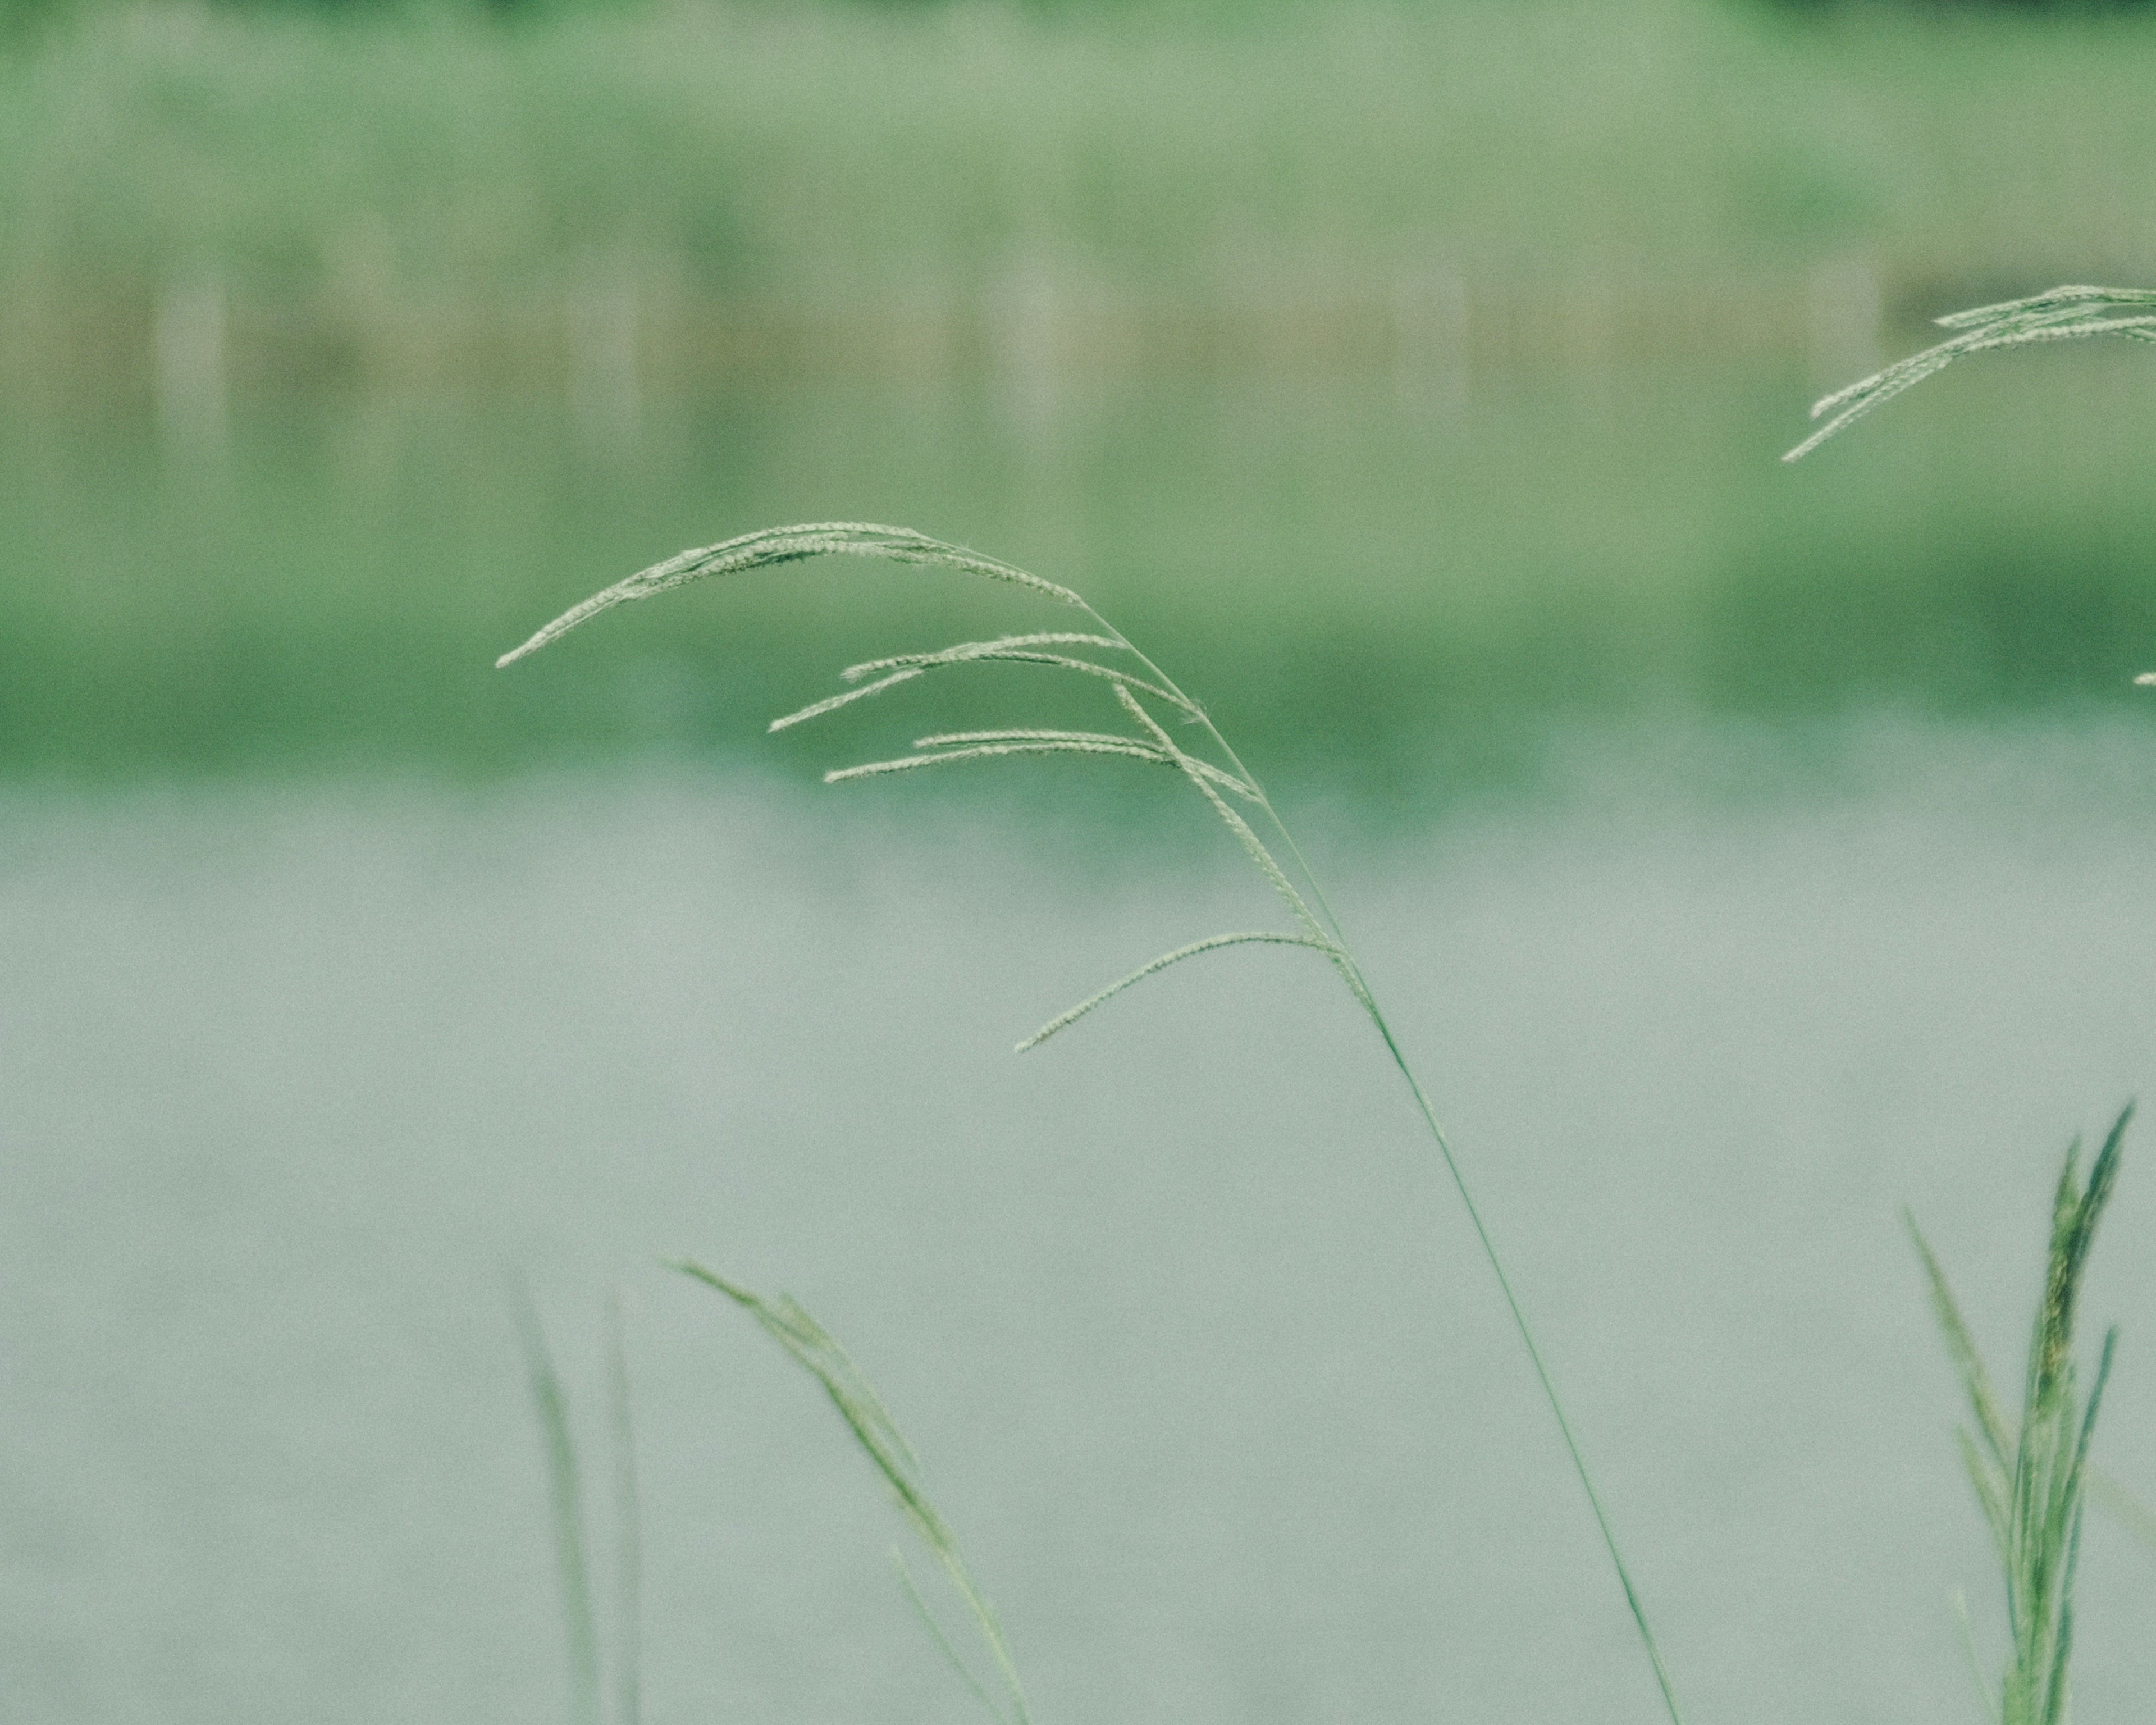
pixel 406 194
pixel 1429 360
pixel 1366 584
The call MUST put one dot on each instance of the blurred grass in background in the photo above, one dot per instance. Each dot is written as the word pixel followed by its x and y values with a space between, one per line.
pixel 1376 592
pixel 703 193
pixel 1428 362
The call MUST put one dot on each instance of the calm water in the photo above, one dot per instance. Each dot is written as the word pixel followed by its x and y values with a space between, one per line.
pixel 1727 901
pixel 1194 1342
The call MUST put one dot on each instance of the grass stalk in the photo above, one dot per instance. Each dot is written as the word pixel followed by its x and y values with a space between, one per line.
pixel 589 1695
pixel 1294 882
pixel 565 1489
pixel 628 1524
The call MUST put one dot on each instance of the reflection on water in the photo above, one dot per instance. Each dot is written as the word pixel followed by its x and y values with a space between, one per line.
pixel 1390 591
pixel 1201 1357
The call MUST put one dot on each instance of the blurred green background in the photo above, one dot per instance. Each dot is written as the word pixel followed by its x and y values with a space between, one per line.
pixel 1428 361
pixel 1742 851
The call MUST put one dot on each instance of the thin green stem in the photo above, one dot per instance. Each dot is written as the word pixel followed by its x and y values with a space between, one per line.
pixel 1317 915
pixel 1358 986
pixel 1534 1353
pixel 628 1524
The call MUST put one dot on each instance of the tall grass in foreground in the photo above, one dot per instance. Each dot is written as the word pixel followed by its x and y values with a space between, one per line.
pixel 1148 701
pixel 2032 1480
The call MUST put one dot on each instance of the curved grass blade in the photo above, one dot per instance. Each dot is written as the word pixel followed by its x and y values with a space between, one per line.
pixel 1269 937
pixel 580 1621
pixel 1990 1484
pixel 772 546
pixel 964 1671
pixel 1961 1349
pixel 1959 1601
pixel 832 703
pixel 2064 313
pixel 1137 751
pixel 979 649
pixel 2058 299
pixel 817 1353
pixel 628 1524
pixel 1031 733
pixel 908 665
pixel 912 665
pixel 1220 776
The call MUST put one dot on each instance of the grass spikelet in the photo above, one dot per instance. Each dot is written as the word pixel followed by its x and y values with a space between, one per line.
pixel 773 545
pixel 1103 746
pixel 966 650
pixel 944 739
pixel 2064 313
pixel 1212 943
pixel 2032 1484
pixel 1010 650
pixel 1227 780
pixel 817 1353
pixel 832 703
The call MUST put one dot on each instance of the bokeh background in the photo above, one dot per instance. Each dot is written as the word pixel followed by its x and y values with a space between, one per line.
pixel 1744 851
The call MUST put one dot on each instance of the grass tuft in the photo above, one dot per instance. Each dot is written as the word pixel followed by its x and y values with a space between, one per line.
pixel 2032 1482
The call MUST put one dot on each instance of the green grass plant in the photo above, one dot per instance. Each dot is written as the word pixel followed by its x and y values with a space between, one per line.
pixel 2031 1475
pixel 1149 701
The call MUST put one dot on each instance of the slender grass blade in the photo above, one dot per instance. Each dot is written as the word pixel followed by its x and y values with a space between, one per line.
pixel 818 1352
pixel 580 1622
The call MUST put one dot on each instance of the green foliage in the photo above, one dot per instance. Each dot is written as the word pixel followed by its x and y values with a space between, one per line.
pixel 1134 679
pixel 2031 1479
